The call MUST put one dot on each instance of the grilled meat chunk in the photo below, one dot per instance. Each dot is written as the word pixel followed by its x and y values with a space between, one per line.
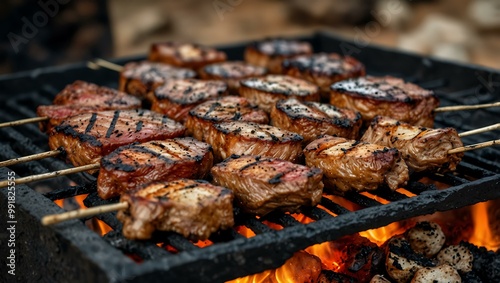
pixel 350 165
pixel 176 97
pixel 231 72
pixel 422 148
pixel 262 184
pixel 186 55
pixel 266 91
pixel 142 78
pixel 323 69
pixel 313 119
pixel 129 167
pixel 247 138
pixel 386 96
pixel 225 109
pixel 270 53
pixel 88 137
pixel 194 209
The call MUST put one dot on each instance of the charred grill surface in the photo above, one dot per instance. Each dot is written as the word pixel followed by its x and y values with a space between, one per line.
pixel 186 55
pixel 386 96
pixel 194 209
pixel 262 184
pixel 270 53
pixel 312 119
pixel 423 149
pixel 266 91
pixel 88 137
pixel 350 165
pixel 226 109
pixel 130 167
pixel 231 72
pixel 177 97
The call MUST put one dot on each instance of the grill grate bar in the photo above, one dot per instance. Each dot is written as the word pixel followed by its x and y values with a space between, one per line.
pixel 389 195
pixel 111 220
pixel 145 250
pixel 316 213
pixel 73 191
pixel 361 200
pixel 284 220
pixel 179 242
pixel 256 226
pixel 473 170
pixel 334 207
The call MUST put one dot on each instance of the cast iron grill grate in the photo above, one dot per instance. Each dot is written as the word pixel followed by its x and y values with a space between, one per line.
pixel 231 254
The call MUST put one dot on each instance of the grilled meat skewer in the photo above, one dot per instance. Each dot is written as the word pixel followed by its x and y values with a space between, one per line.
pixel 194 209
pixel 185 55
pixel 87 137
pixel 270 53
pixel 266 91
pixel 312 119
pixel 231 72
pixel 135 165
pixel 262 184
pixel 422 148
pixel 350 165
pixel 386 96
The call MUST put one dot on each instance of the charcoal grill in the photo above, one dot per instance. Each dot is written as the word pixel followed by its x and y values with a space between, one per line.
pixel 71 251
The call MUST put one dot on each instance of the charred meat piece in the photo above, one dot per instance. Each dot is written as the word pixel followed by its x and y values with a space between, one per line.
pixel 247 138
pixel 231 72
pixel 194 209
pixel 142 78
pixel 186 55
pixel 88 137
pixel 176 97
pixel 270 53
pixel 323 69
pixel 132 166
pixel 225 109
pixel 266 91
pixel 312 119
pixel 386 96
pixel 262 184
pixel 422 148
pixel 350 165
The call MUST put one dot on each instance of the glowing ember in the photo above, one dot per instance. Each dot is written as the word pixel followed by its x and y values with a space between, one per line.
pixel 245 232
pixel 483 235
pixel 103 227
pixel 204 243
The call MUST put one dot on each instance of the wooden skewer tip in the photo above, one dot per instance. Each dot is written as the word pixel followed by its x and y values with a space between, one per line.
pixel 82 213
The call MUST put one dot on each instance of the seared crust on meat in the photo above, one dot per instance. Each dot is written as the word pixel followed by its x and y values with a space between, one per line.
pixel 186 55
pixel 231 72
pixel 262 184
pixel 194 209
pixel 142 78
pixel 323 69
pixel 246 138
pixel 270 53
pixel 135 165
pixel 177 97
pixel 266 91
pixel 88 137
pixel 422 148
pixel 313 119
pixel 225 109
pixel 350 165
pixel 386 96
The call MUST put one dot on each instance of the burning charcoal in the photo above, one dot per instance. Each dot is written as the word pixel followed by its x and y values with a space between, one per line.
pixel 402 262
pixel 458 257
pixel 439 274
pixel 426 238
pixel 379 279
pixel 486 264
pixel 328 276
pixel 302 267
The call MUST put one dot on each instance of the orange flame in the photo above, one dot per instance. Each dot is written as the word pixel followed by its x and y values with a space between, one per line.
pixel 380 235
pixel 483 235
pixel 203 243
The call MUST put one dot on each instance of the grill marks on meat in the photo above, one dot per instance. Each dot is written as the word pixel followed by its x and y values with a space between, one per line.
pixel 323 69
pixel 82 97
pixel 142 78
pixel 386 96
pixel 422 148
pixel 313 119
pixel 231 73
pixel 177 97
pixel 262 184
pixel 88 137
pixel 350 165
pixel 186 55
pixel 226 109
pixel 194 209
pixel 135 165
pixel 266 91
pixel 246 138
pixel 270 53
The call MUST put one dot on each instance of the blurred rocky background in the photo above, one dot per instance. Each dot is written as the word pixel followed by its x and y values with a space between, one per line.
pixel 460 30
